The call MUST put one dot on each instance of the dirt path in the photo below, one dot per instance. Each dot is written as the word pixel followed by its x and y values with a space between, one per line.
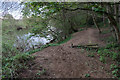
pixel 66 62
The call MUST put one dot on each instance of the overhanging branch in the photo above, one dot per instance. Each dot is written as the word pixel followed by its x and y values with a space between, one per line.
pixel 90 10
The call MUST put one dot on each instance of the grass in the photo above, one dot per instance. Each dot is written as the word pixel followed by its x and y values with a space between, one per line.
pixel 12 65
pixel 36 50
pixel 64 41
pixel 12 59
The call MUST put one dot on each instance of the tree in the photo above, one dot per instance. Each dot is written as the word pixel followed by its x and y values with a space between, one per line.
pixel 93 15
pixel 54 8
pixel 8 16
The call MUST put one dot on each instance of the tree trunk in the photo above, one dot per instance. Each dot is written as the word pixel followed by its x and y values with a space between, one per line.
pixel 103 14
pixel 114 23
pixel 110 17
pixel 94 20
pixel 117 12
pixel 110 10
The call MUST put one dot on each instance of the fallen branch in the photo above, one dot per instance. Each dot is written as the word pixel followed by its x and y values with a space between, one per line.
pixel 90 46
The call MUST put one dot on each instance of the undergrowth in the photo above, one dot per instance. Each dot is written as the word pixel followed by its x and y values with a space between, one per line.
pixel 13 61
pixel 112 50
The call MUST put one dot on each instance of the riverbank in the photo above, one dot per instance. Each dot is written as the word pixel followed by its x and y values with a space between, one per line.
pixel 62 61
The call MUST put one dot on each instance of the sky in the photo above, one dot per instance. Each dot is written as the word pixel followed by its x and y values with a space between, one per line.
pixel 15 10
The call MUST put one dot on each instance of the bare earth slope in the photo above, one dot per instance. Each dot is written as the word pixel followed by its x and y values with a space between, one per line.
pixel 66 62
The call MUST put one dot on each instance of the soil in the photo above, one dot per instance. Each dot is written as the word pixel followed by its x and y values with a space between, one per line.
pixel 65 62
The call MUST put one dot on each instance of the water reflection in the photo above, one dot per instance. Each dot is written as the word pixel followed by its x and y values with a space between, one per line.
pixel 25 42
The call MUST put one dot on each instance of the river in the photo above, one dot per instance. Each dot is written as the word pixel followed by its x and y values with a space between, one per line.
pixel 25 42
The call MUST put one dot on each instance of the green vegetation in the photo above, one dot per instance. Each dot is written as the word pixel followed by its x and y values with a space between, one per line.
pixel 115 70
pixel 59 20
pixel 90 55
pixel 13 59
pixel 41 72
pixel 112 51
pixel 13 62
pixel 102 59
pixel 87 75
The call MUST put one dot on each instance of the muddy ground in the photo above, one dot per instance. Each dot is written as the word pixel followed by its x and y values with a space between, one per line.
pixel 65 62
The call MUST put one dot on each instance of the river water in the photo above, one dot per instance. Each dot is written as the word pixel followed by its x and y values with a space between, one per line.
pixel 25 42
